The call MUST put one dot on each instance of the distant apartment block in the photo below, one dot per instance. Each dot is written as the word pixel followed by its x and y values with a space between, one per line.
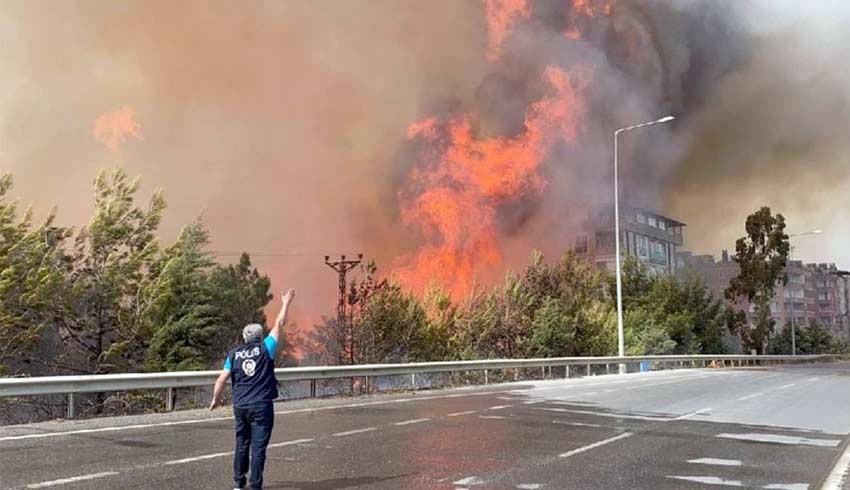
pixel 815 292
pixel 650 237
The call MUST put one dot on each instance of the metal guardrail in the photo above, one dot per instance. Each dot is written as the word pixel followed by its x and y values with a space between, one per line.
pixel 70 385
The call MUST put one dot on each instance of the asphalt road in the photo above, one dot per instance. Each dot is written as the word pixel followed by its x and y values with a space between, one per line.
pixel 782 428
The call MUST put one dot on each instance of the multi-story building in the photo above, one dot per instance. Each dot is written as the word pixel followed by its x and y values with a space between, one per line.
pixel 715 274
pixel 650 237
pixel 814 292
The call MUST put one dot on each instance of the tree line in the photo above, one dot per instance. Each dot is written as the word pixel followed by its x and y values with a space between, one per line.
pixel 550 309
pixel 110 297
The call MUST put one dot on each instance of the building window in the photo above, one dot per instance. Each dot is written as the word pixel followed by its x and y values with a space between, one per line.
pixel 641 218
pixel 662 225
pixel 605 241
pixel 652 222
pixel 581 244
pixel 642 247
pixel 657 252
pixel 630 243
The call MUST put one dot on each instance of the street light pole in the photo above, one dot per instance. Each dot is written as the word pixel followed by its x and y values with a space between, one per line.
pixel 793 319
pixel 621 345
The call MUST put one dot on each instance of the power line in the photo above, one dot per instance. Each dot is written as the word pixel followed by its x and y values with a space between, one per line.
pixel 227 253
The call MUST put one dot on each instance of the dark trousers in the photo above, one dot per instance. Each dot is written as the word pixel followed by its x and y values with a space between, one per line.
pixel 254 425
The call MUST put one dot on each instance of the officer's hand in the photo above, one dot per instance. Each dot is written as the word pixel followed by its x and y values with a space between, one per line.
pixel 213 404
pixel 288 296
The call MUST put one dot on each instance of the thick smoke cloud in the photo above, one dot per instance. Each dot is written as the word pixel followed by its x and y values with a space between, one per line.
pixel 283 123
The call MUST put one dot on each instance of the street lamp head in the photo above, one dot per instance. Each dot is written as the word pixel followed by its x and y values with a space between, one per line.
pixel 817 232
pixel 666 119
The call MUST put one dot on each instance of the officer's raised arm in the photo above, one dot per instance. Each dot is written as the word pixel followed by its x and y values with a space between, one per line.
pixel 286 299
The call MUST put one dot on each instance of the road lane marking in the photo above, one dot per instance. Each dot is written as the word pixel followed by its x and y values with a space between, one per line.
pixel 197 458
pixel 112 429
pixel 230 453
pixel 355 431
pixel 716 461
pixel 778 439
pixel 610 415
pixel 595 445
pixel 754 395
pixel 458 414
pixel 500 407
pixel 470 480
pixel 693 414
pixel 291 443
pixel 409 422
pixel 839 473
pixel 787 486
pixel 492 417
pixel 709 480
pixel 74 479
pixel 576 424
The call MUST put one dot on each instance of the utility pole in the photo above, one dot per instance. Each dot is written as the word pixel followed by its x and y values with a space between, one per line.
pixel 342 267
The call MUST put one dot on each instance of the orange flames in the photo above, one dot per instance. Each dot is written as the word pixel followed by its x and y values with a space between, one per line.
pixel 501 15
pixel 113 128
pixel 454 194
pixel 592 8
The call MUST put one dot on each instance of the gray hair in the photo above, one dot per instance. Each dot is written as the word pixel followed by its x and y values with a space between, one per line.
pixel 252 333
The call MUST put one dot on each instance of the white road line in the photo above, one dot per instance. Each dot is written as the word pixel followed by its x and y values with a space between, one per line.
pixel 693 414
pixel 492 417
pixel 787 486
pixel 760 393
pixel 409 422
pixel 709 480
pixel 63 481
pixel 458 414
pixel 499 407
pixel 196 458
pixel 356 431
pixel 716 462
pixel 610 415
pixel 839 472
pixel 470 480
pixel 595 445
pixel 576 424
pixel 112 429
pixel 291 443
pixel 778 439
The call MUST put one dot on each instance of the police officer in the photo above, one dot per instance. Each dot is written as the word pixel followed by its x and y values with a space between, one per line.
pixel 250 367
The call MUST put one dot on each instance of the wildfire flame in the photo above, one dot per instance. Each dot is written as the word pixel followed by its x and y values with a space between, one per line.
pixel 501 15
pixel 592 8
pixel 453 196
pixel 113 128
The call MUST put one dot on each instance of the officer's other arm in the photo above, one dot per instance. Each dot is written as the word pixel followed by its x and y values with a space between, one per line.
pixel 286 298
pixel 219 387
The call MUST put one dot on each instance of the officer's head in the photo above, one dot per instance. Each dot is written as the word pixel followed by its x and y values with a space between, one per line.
pixel 252 333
